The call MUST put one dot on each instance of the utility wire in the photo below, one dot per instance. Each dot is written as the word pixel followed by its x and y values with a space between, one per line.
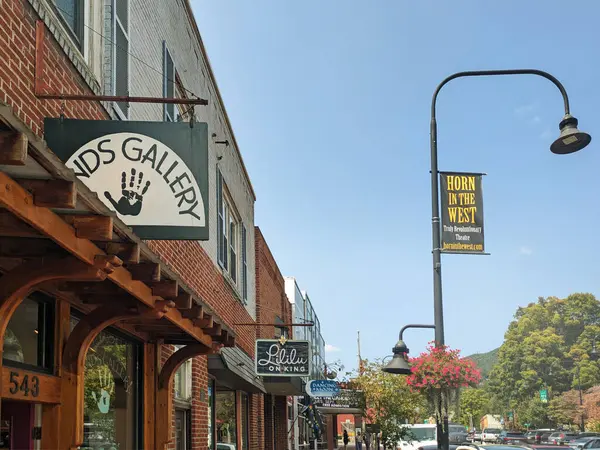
pixel 127 51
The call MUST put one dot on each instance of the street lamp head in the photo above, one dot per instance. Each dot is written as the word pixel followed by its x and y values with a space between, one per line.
pixel 399 363
pixel 571 139
pixel 594 355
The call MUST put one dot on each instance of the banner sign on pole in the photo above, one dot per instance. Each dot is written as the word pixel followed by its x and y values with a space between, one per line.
pixel 322 388
pixel 154 175
pixel 462 212
pixel 282 358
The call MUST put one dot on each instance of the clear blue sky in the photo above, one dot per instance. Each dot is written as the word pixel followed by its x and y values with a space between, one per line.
pixel 329 102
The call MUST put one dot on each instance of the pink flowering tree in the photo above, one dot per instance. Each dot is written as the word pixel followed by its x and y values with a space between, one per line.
pixel 439 373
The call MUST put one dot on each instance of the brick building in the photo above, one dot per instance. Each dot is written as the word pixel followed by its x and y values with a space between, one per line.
pixel 107 338
pixel 273 307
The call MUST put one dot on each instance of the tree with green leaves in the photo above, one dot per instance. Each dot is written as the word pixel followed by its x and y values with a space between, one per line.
pixel 389 401
pixel 543 347
pixel 474 404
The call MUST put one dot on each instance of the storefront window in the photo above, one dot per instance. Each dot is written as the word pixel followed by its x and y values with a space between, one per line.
pixel 225 420
pixel 244 420
pixel 110 393
pixel 29 337
pixel 211 413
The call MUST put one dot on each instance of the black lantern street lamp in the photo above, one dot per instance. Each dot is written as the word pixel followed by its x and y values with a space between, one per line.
pixel 399 363
pixel 570 140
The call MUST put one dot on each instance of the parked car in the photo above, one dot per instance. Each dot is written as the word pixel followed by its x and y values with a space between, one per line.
pixel 581 441
pixel 544 436
pixel 511 437
pixel 477 436
pixel 591 444
pixel 490 435
pixel 562 437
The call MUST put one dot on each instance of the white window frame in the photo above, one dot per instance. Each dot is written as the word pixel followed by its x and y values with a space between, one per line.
pixel 185 375
pixel 77 36
pixel 116 22
pixel 167 116
pixel 229 224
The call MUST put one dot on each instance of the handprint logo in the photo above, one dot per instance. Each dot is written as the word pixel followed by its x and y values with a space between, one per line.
pixel 106 389
pixel 130 203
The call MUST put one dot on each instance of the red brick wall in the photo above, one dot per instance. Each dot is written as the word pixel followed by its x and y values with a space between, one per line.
pixel 17 71
pixel 271 302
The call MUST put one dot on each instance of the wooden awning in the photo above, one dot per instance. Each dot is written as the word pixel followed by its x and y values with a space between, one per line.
pixel 49 217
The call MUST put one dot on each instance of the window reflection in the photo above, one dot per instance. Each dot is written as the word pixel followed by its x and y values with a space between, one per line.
pixel 225 421
pixel 110 408
pixel 28 338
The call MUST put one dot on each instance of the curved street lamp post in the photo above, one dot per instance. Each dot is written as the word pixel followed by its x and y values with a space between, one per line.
pixel 570 140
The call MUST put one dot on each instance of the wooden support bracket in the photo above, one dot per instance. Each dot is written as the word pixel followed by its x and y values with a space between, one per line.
pixel 164 397
pixel 165 288
pixel 184 301
pixel 205 323
pixel 51 193
pixel 13 148
pixel 146 272
pixel 195 312
pixel 215 330
pixel 94 227
pixel 129 253
pixel 19 282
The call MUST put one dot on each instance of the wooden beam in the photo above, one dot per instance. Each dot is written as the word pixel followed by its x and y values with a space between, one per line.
pixel 129 253
pixel 80 288
pixel 165 288
pixel 17 247
pixel 101 299
pixel 13 226
pixel 164 395
pixel 195 312
pixel 41 388
pixel 145 271
pixel 93 227
pixel 13 148
pixel 16 200
pixel 51 193
pixel 230 342
pixel 215 330
pixel 184 301
pixel 205 323
pixel 222 337
pixel 165 328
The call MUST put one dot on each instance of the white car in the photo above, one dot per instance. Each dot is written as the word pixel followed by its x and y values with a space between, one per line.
pixel 490 435
pixel 425 434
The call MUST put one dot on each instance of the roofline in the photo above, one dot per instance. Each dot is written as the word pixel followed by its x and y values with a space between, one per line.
pixel 192 18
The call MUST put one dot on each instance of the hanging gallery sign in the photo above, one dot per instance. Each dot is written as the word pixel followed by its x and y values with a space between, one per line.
pixel 154 175
pixel 462 212
pixel 282 358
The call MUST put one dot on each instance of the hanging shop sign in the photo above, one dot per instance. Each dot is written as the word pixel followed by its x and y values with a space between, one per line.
pixel 154 175
pixel 346 399
pixel 282 357
pixel 462 212
pixel 322 388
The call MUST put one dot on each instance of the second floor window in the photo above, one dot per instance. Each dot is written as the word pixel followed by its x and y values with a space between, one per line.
pixel 231 239
pixel 169 75
pixel 121 55
pixel 71 11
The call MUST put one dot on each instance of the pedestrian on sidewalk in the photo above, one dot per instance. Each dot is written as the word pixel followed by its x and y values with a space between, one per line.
pixel 367 440
pixel 359 440
pixel 346 439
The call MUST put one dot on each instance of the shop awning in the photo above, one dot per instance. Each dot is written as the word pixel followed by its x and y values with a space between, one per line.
pixel 234 369
pixel 284 385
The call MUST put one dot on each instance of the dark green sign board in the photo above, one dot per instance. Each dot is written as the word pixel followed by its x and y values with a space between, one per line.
pixel 544 396
pixel 154 175
pixel 462 212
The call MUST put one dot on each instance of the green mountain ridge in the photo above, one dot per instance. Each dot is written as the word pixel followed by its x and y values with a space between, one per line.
pixel 485 361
